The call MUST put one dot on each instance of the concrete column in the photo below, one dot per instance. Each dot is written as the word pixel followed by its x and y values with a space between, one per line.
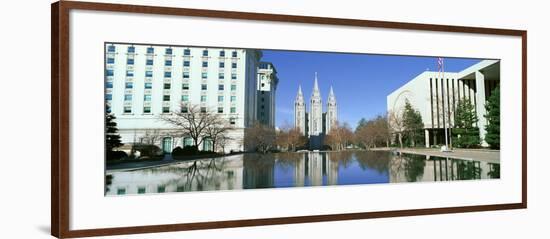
pixel 480 100
pixel 427 137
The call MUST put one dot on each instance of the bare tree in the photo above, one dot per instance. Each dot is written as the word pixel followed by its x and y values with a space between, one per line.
pixel 151 136
pixel 217 130
pixel 259 137
pixel 396 125
pixel 373 132
pixel 290 138
pixel 193 123
pixel 339 136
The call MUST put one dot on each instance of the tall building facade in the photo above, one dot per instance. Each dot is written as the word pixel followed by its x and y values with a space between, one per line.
pixel 267 86
pixel 436 96
pixel 144 82
pixel 315 124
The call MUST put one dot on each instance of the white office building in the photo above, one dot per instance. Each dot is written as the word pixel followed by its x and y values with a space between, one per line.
pixel 267 87
pixel 435 95
pixel 142 82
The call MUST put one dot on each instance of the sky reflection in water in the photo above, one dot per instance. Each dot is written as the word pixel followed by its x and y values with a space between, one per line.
pixel 249 171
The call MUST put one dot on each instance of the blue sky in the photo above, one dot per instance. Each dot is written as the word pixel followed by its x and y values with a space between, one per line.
pixel 361 82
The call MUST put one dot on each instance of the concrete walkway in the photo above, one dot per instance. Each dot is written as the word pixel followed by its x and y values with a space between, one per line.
pixel 485 155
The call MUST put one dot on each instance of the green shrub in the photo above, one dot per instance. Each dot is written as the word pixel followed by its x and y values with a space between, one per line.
pixel 147 150
pixel 185 151
pixel 115 155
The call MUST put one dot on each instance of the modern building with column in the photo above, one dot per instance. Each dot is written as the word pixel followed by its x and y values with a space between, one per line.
pixel 144 82
pixel 435 95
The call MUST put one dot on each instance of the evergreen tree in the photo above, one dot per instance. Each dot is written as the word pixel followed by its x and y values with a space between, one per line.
pixel 493 119
pixel 412 122
pixel 465 133
pixel 112 138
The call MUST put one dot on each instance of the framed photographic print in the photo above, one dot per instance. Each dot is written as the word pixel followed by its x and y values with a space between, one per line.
pixel 167 119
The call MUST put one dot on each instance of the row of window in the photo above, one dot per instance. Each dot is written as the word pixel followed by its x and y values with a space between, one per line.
pixel 166 109
pixel 167 86
pixel 168 74
pixel 149 62
pixel 184 98
pixel 168 51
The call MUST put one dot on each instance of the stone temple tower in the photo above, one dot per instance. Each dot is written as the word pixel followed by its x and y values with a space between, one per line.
pixel 300 112
pixel 316 111
pixel 315 114
pixel 332 111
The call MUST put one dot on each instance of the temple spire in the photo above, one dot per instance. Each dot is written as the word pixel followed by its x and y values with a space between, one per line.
pixel 315 92
pixel 299 95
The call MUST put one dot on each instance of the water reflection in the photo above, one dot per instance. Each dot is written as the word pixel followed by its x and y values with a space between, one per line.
pixel 249 171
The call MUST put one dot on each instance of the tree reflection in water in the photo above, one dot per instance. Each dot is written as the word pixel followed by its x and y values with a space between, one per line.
pixel 249 171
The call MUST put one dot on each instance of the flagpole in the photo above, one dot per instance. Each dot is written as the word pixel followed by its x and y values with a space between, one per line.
pixel 442 75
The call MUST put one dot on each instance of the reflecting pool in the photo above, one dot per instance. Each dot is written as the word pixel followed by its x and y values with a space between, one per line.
pixel 249 171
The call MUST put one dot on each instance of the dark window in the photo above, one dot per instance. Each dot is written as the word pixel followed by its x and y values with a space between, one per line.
pixel 222 53
pixel 148 85
pixel 166 97
pixel 167 86
pixel 185 75
pixel 220 87
pixel 127 109
pixel 186 63
pixel 149 62
pixel 168 63
pixel 186 52
pixel 205 53
pixel 110 60
pixel 146 109
pixel 129 73
pixel 205 64
pixel 220 109
pixel 129 85
pixel 203 109
pixel 111 48
pixel 167 74
pixel 185 86
pixel 184 109
pixel 108 97
pixel 234 54
pixel 108 84
pixel 168 51
pixel 165 109
pixel 150 50
pixel 131 49
pixel 234 65
pixel 110 72
pixel 203 87
pixel 222 64
pixel 148 73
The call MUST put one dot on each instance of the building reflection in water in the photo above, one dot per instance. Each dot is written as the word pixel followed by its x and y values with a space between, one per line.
pixel 415 168
pixel 248 171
